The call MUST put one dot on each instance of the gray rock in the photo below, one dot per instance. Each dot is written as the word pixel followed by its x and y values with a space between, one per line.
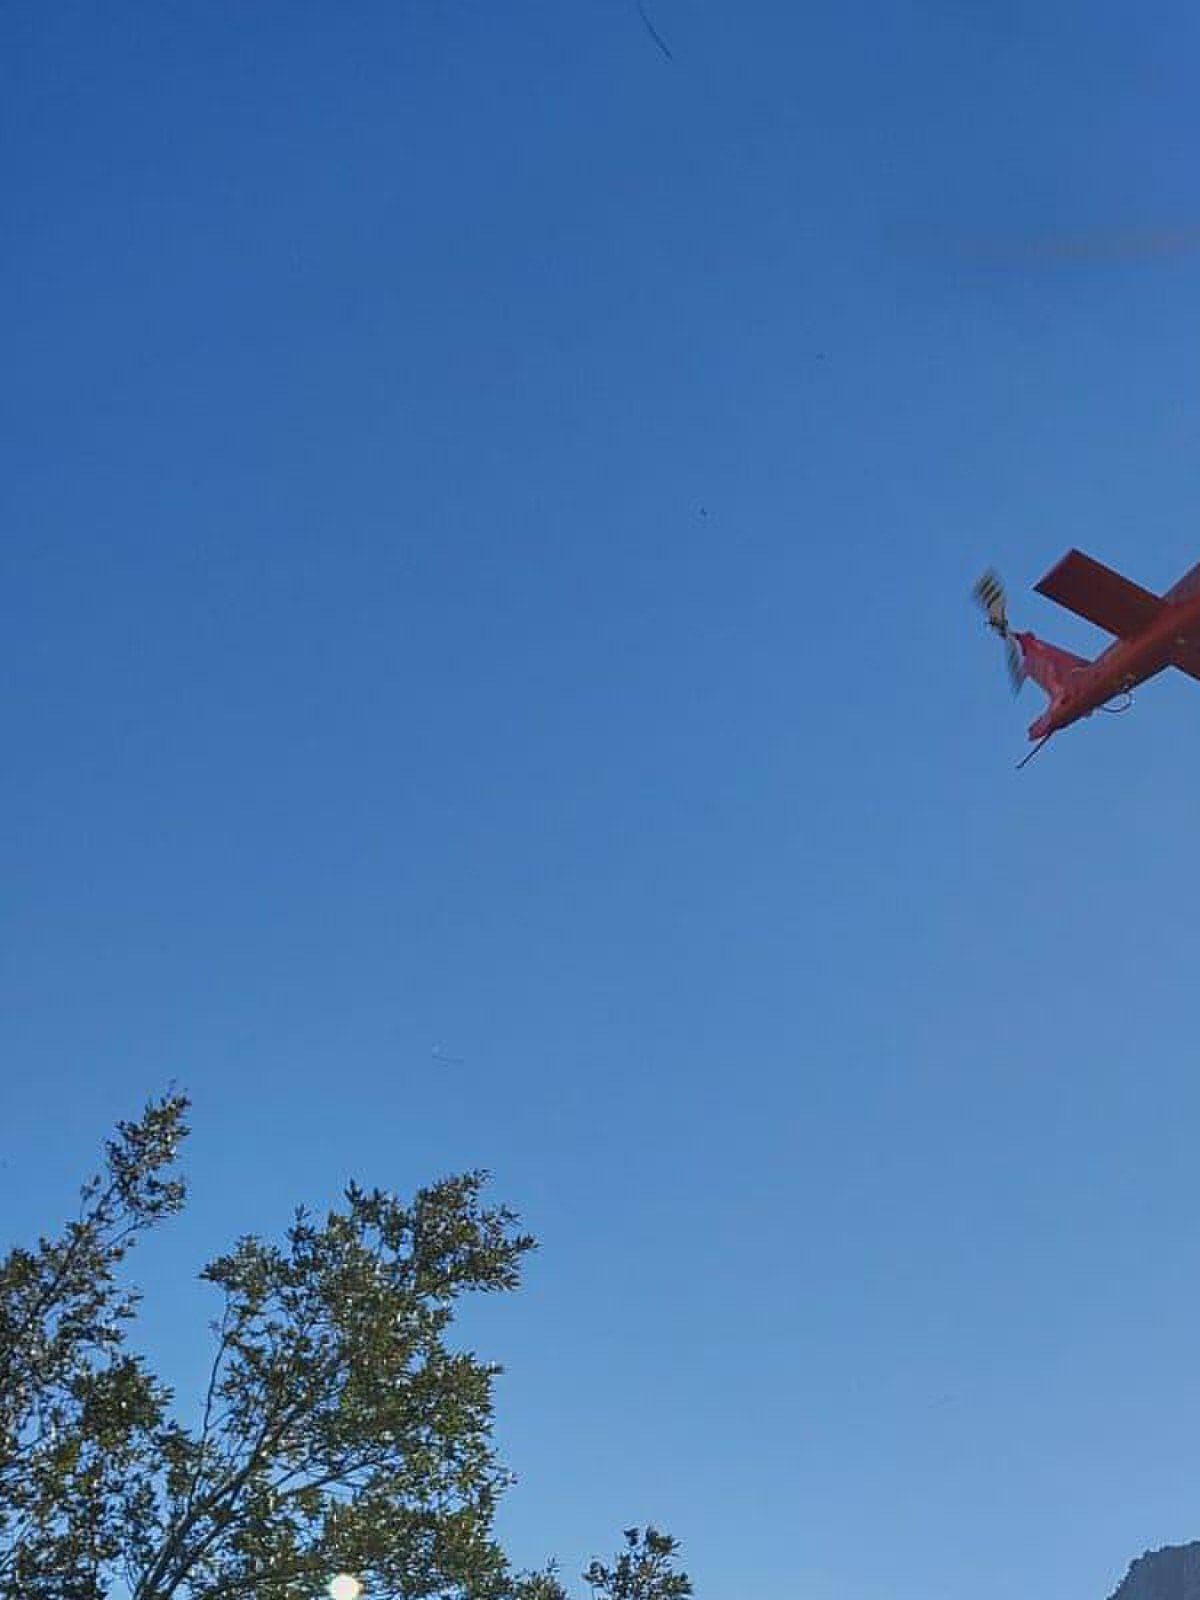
pixel 1169 1574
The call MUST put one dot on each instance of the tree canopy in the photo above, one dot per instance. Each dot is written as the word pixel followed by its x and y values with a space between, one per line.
pixel 339 1432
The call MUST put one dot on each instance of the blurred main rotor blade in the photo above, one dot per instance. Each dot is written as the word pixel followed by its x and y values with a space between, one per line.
pixel 989 592
pixel 1016 664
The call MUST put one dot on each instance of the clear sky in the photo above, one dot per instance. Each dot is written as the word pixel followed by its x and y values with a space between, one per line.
pixel 488 513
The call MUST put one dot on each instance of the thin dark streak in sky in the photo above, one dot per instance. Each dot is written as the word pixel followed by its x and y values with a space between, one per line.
pixel 653 32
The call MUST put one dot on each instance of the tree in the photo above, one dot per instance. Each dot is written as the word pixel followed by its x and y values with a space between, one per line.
pixel 643 1571
pixel 339 1432
pixel 78 1415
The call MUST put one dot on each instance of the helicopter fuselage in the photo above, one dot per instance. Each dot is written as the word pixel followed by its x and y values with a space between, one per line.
pixel 1171 638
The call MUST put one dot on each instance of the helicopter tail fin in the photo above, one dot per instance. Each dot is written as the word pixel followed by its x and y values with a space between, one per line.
pixel 1050 667
pixel 1097 593
pixel 1028 656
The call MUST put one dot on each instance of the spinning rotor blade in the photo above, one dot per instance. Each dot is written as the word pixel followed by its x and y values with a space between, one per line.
pixel 989 592
pixel 1016 666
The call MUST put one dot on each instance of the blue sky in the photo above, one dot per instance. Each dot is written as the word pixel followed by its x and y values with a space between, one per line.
pixel 487 524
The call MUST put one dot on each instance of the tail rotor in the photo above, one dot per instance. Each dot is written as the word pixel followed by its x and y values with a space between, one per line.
pixel 989 594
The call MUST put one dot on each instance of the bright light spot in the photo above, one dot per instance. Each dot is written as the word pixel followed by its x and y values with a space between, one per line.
pixel 344 1587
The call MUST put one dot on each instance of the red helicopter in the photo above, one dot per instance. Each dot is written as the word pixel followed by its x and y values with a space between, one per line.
pixel 1151 632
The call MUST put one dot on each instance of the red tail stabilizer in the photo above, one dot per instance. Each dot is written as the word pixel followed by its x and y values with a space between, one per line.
pixel 1097 593
pixel 1050 668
